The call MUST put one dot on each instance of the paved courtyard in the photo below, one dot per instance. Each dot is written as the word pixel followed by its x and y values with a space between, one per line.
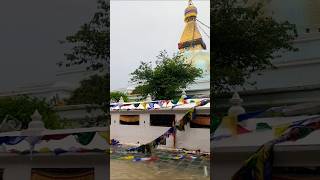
pixel 160 164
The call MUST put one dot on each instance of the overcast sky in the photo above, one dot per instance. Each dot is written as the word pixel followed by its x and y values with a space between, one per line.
pixel 29 36
pixel 140 29
pixel 30 31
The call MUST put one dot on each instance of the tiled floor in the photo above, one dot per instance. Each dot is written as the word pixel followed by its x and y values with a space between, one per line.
pixel 164 168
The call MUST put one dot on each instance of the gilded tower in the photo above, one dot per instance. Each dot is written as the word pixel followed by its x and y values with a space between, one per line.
pixel 191 38
pixel 193 48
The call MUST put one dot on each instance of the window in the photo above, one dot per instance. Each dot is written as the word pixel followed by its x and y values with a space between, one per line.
pixel 200 121
pixel 165 120
pixel 129 119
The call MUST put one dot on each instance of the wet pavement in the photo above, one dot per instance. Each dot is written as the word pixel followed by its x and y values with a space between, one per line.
pixel 158 165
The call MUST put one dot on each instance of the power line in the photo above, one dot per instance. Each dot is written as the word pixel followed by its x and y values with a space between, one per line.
pixel 204 32
pixel 203 24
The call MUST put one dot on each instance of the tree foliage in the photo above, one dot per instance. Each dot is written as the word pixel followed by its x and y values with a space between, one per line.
pixel 245 40
pixel 21 108
pixel 166 79
pixel 91 47
pixel 91 42
pixel 93 90
pixel 116 95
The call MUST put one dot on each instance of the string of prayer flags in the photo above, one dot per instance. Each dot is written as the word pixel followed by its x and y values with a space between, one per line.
pixel 274 111
pixel 11 140
pixel 158 104
pixel 278 130
pixel 147 148
pixel 186 119
pixel 300 132
pixel 83 138
pixel 258 166
pixel 203 102
pixel 56 151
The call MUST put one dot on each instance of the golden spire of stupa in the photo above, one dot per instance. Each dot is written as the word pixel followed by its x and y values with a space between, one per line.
pixel 191 38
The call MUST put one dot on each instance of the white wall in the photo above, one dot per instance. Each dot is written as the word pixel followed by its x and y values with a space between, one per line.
pixel 191 138
pixel 19 167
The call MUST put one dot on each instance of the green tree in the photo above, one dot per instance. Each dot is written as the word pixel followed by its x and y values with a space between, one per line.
pixel 91 42
pixel 166 79
pixel 22 107
pixel 93 90
pixel 116 95
pixel 245 40
pixel 90 47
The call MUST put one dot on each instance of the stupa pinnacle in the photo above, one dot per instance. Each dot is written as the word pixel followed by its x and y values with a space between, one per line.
pixel 191 38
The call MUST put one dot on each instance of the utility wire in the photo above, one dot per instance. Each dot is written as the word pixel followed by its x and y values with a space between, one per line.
pixel 204 32
pixel 203 24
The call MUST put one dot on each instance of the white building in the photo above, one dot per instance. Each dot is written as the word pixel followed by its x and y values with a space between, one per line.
pixel 45 162
pixel 230 154
pixel 138 126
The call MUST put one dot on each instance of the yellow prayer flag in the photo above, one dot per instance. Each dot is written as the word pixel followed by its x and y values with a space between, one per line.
pixel 198 102
pixel 104 135
pixel 181 101
pixel 127 158
pixel 44 150
pixel 144 105
pixel 231 123
pixel 279 130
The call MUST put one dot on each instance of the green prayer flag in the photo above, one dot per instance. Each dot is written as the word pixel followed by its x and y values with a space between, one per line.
pixel 84 138
pixel 262 125
pixel 215 122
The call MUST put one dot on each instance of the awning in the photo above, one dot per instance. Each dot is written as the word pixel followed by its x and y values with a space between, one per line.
pixel 129 118
pixel 201 120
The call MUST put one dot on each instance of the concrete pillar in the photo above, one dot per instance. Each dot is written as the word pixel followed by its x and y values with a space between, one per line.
pixel 144 120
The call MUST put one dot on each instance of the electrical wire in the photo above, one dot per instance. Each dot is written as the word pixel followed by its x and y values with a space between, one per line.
pixel 203 24
pixel 204 31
